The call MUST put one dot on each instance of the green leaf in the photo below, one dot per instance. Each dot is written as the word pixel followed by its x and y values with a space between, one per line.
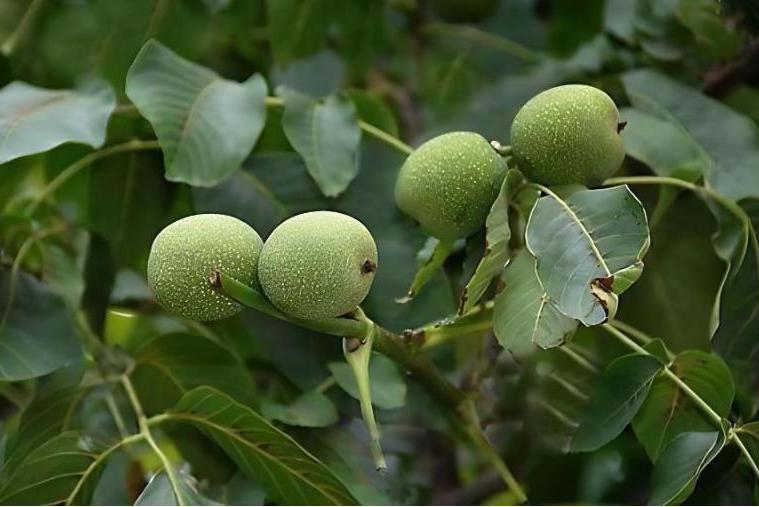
pixel 288 473
pixel 621 391
pixel 581 242
pixel 388 386
pixel 49 413
pixel 169 365
pixel 37 333
pixel 64 469
pixel 430 260
pixel 206 125
pixel 733 155
pixel 679 466
pixel 34 120
pixel 310 410
pixel 161 491
pixel 674 296
pixel 663 145
pixel 668 412
pixel 523 314
pixel 297 28
pixel 498 234
pixel 326 134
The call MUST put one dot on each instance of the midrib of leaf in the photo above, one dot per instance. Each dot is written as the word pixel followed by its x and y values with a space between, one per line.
pixel 700 467
pixel 233 434
pixel 188 120
pixel 314 136
pixel 584 230
pixel 99 460
pixel 543 300
pixel 29 111
pixel 635 394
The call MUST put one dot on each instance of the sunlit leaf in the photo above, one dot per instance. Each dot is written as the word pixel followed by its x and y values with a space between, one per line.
pixel 206 125
pixel 581 242
pixel 620 392
pixel 33 120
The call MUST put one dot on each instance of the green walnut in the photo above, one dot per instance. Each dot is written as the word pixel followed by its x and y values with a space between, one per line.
pixel 568 134
pixel 464 11
pixel 318 265
pixel 184 255
pixel 449 183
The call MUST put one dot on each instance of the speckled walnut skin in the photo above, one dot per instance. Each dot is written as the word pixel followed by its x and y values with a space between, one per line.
pixel 449 183
pixel 568 134
pixel 185 253
pixel 318 265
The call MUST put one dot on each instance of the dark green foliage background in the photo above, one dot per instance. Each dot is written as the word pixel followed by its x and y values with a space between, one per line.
pixel 78 310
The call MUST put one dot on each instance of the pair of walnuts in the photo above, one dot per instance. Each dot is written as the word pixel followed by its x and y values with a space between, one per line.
pixel 321 264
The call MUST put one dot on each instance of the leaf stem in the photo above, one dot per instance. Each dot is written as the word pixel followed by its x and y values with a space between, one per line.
pixel 86 161
pixel 483 38
pixel 366 127
pixel 460 408
pixel 142 423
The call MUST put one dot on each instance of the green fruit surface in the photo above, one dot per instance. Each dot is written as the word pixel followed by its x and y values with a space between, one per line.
pixel 568 134
pixel 449 183
pixel 464 11
pixel 185 253
pixel 318 265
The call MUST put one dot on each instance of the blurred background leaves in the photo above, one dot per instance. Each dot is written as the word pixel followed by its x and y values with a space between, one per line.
pixel 684 72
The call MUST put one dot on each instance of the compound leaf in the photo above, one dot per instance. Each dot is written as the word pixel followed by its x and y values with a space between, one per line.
pixel 288 473
pixel 621 391
pixel 667 411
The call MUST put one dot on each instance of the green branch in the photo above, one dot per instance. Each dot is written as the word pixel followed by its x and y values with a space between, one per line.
pixel 460 407
pixel 142 423
pixel 248 296
pixel 366 127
